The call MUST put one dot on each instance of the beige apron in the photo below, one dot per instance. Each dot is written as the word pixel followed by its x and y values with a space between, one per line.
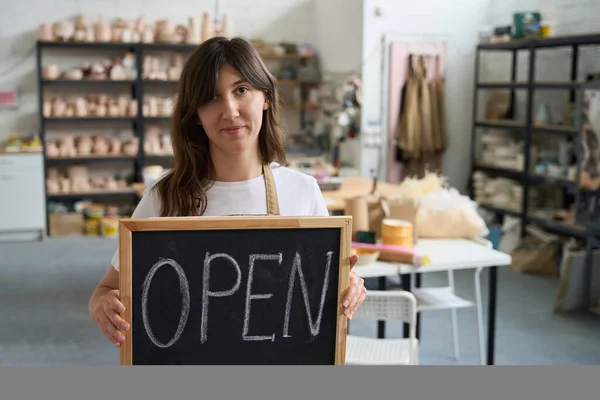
pixel 272 201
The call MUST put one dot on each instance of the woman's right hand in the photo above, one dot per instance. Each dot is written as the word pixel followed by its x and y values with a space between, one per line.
pixel 106 316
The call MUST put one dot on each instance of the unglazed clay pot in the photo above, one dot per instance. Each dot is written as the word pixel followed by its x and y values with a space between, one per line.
pixel 52 149
pixel 194 34
pixel 113 110
pixel 84 146
pixel 45 33
pixel 81 109
pixel 74 74
pixel 80 35
pixel 81 22
pixel 207 26
pixel 50 72
pixel 53 186
pixel 123 103
pixel 133 108
pixel 64 30
pixel 102 31
pixel 115 146
pixel 148 35
pixel 226 26
pixel 101 110
pixel 47 110
pixel 58 108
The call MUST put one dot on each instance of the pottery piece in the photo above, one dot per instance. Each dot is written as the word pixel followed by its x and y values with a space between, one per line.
pixel 81 22
pixel 45 33
pixel 100 146
pixel 102 31
pixel 58 108
pixel 132 108
pixel 81 109
pixel 50 72
pixel 130 147
pixel 207 26
pixel 194 34
pixel 113 110
pixel 47 108
pixel 225 26
pixel 115 146
pixel 52 149
pixel 84 146
pixel 101 110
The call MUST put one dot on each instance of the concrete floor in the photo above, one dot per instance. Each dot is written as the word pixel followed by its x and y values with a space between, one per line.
pixel 45 287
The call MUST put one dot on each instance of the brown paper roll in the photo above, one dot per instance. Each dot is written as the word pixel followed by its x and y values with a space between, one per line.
pixel 358 208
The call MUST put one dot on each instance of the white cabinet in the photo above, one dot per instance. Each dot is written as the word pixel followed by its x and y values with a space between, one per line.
pixel 22 199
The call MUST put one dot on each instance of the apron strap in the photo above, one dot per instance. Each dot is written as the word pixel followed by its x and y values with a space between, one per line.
pixel 272 201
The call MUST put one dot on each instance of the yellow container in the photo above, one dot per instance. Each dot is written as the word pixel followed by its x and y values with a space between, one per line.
pixel 110 226
pixel 397 232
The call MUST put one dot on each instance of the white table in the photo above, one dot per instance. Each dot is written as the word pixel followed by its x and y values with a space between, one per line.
pixel 447 255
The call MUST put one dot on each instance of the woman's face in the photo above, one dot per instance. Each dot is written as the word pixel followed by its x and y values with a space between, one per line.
pixel 232 120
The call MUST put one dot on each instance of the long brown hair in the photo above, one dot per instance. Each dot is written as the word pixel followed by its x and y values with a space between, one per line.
pixel 183 189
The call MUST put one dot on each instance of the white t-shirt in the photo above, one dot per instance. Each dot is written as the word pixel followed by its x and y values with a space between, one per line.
pixel 298 195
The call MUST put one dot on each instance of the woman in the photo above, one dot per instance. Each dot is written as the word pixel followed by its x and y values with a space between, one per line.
pixel 227 142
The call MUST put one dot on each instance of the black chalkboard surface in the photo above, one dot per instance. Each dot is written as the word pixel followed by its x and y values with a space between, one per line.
pixel 234 290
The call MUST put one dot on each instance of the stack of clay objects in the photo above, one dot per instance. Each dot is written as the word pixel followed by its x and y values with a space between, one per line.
pixel 93 105
pixel 152 71
pixel 155 106
pixel 157 143
pixel 77 180
pixel 117 69
pixel 87 146
pixel 140 30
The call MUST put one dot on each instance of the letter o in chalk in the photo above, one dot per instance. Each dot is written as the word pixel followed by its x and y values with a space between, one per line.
pixel 185 301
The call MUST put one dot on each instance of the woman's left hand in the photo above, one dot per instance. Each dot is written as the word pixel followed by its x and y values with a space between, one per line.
pixel 356 293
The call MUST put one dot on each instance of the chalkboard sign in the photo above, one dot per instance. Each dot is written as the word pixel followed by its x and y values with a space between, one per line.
pixel 234 290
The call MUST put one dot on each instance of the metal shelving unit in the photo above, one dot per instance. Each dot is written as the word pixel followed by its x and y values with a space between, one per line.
pixel 527 127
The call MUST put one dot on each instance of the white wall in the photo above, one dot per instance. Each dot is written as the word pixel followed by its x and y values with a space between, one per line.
pixel 456 22
pixel 339 31
pixel 272 20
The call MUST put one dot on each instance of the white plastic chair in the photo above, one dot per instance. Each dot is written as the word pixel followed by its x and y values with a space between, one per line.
pixel 454 302
pixel 385 306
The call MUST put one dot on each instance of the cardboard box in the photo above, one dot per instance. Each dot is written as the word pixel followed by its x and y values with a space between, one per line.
pixel 66 224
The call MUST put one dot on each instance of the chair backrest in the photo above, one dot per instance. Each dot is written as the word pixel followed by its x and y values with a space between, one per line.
pixel 389 305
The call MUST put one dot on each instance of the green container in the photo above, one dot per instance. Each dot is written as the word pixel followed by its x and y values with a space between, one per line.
pixel 366 237
pixel 527 25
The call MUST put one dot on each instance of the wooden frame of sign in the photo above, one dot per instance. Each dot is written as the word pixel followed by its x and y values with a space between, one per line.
pixel 162 228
